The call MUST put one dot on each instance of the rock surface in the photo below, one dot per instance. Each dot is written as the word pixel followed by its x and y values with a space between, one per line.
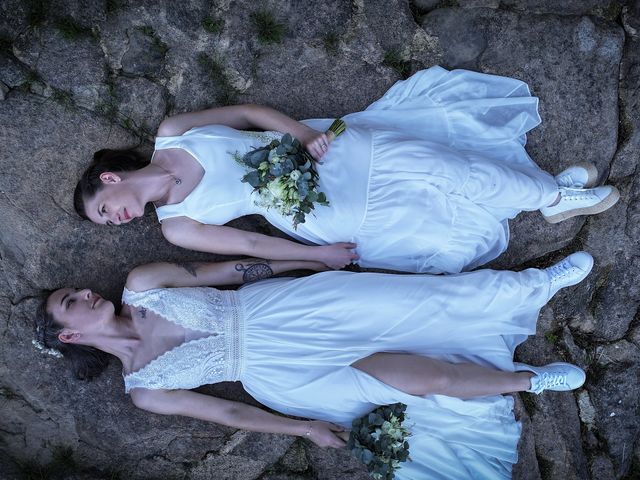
pixel 78 76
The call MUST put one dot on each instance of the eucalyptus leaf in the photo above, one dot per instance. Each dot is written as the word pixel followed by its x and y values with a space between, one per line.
pixel 255 157
pixel 252 178
pixel 367 456
pixel 276 169
pixel 286 139
pixel 288 166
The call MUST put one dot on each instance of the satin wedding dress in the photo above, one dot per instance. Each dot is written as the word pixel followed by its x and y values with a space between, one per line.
pixel 423 180
pixel 291 342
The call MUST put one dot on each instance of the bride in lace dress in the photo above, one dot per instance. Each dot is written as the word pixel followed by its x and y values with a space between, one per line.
pixel 329 347
pixel 424 180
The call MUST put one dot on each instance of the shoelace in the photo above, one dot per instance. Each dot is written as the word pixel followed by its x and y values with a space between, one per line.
pixel 568 194
pixel 565 179
pixel 560 270
pixel 548 380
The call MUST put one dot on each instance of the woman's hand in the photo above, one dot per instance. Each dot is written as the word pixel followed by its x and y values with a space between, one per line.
pixel 338 255
pixel 325 434
pixel 315 142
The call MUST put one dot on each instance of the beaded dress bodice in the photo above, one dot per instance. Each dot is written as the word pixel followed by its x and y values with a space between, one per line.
pixel 214 358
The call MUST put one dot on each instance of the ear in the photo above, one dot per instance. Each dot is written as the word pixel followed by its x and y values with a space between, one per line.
pixel 69 336
pixel 110 177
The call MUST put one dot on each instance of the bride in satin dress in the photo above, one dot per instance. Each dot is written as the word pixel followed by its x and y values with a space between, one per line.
pixel 423 180
pixel 329 347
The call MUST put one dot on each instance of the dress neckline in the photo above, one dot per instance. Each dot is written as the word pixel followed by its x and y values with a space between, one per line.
pixel 128 292
pixel 169 146
pixel 147 365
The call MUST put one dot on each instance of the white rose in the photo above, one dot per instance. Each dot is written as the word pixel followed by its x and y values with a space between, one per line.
pixel 276 188
pixel 274 157
pixel 295 175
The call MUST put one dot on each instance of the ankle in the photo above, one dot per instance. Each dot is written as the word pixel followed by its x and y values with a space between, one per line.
pixel 525 381
pixel 556 201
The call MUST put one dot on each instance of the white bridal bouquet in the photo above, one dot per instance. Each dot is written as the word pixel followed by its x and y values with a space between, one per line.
pixel 378 440
pixel 284 177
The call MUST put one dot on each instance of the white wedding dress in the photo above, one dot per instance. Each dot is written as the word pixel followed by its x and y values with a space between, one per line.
pixel 291 343
pixel 424 180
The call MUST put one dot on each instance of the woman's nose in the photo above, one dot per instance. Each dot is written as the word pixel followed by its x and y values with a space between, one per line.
pixel 86 293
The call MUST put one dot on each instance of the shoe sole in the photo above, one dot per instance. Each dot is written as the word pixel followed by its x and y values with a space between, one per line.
pixel 606 203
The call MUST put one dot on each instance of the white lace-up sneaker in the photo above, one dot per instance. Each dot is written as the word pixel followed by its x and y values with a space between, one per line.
pixel 569 271
pixel 558 377
pixel 580 175
pixel 581 201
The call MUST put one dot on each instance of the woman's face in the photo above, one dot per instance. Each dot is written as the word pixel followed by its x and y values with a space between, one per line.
pixel 115 203
pixel 79 311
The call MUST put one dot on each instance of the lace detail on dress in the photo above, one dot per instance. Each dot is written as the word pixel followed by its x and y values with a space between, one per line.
pixel 216 358
pixel 264 137
pixel 189 365
pixel 197 308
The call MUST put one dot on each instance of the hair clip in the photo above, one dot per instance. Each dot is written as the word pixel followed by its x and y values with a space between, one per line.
pixel 43 349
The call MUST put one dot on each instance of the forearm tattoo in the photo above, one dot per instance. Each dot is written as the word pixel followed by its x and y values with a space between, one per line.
pixel 189 267
pixel 143 312
pixel 254 270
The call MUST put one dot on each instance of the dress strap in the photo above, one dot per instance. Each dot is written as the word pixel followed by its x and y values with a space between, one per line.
pixel 168 142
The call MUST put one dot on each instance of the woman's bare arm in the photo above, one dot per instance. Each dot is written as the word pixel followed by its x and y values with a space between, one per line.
pixel 198 274
pixel 193 235
pixel 246 116
pixel 233 414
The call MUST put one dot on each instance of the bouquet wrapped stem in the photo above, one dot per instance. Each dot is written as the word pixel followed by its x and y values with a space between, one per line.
pixel 336 129
pixel 283 175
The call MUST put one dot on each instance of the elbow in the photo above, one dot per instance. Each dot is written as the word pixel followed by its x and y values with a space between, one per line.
pixel 250 111
pixel 233 417
pixel 252 245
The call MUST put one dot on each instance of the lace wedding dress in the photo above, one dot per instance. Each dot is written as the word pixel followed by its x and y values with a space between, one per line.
pixel 291 343
pixel 424 180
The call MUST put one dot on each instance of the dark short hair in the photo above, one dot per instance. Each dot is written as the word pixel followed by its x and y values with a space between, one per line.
pixel 86 362
pixel 104 160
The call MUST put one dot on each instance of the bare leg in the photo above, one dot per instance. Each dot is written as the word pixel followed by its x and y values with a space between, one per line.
pixel 419 375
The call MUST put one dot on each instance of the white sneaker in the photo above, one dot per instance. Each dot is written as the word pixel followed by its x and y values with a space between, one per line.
pixel 558 377
pixel 569 271
pixel 581 201
pixel 580 175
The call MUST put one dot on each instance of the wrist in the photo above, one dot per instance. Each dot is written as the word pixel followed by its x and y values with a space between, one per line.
pixel 306 429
